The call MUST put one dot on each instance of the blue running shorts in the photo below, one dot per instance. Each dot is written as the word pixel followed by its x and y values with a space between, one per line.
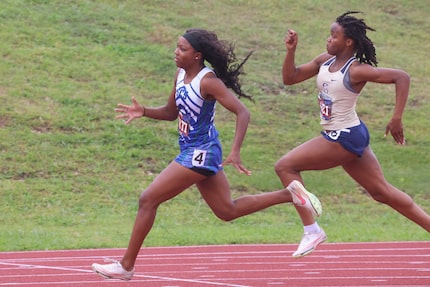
pixel 204 159
pixel 354 139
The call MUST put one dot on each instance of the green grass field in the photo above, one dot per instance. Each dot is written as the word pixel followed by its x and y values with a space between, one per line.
pixel 71 174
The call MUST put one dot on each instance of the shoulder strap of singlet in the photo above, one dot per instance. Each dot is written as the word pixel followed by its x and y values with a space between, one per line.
pixel 181 76
pixel 198 77
pixel 347 64
pixel 195 83
pixel 329 61
pixel 202 73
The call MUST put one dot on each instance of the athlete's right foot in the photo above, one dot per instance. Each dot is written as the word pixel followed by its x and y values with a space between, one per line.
pixel 112 271
pixel 302 197
pixel 309 242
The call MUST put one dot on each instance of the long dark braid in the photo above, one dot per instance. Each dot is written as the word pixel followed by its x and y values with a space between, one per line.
pixel 220 54
pixel 356 29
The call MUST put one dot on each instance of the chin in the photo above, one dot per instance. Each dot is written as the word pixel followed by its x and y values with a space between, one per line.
pixel 330 52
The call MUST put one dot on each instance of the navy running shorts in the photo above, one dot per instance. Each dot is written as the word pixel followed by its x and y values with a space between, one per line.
pixel 354 139
pixel 205 159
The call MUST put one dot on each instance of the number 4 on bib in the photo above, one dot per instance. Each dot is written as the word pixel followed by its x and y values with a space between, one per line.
pixel 199 157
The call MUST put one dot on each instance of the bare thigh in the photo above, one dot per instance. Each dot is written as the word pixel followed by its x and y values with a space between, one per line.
pixel 170 182
pixel 367 172
pixel 215 190
pixel 315 154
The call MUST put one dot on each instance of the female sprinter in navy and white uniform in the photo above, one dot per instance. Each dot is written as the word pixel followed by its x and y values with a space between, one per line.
pixel 342 72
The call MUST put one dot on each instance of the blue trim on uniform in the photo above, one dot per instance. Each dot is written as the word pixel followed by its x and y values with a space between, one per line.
pixel 329 61
pixel 346 66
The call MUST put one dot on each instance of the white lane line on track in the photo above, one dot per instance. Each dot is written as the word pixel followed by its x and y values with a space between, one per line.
pixel 89 271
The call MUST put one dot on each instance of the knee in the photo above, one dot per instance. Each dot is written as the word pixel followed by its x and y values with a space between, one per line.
pixel 399 201
pixel 226 218
pixel 391 196
pixel 379 193
pixel 381 198
pixel 147 201
pixel 281 167
pixel 225 214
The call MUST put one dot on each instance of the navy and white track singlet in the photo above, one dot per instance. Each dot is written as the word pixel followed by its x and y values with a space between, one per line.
pixel 201 150
pixel 337 101
pixel 196 114
pixel 336 97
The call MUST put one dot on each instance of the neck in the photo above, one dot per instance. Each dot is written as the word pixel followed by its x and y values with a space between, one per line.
pixel 191 72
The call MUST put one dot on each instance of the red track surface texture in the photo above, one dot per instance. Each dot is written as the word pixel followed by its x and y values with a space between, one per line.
pixel 333 264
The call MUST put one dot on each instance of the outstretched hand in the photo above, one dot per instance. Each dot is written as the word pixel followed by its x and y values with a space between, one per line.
pixel 234 160
pixel 130 113
pixel 395 128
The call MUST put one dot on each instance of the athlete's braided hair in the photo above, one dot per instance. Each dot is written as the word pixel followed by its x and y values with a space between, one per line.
pixel 221 56
pixel 356 30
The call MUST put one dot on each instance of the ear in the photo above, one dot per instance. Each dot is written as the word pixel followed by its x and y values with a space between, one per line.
pixel 349 42
pixel 198 56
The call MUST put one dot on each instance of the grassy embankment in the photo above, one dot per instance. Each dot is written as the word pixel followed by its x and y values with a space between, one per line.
pixel 71 174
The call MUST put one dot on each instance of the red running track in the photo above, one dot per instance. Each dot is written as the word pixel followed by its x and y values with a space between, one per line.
pixel 332 264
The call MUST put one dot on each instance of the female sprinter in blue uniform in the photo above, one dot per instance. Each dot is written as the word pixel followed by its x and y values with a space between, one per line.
pixel 342 72
pixel 192 101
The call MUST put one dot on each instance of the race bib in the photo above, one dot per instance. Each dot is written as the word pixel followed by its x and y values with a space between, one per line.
pixel 183 125
pixel 326 105
pixel 199 157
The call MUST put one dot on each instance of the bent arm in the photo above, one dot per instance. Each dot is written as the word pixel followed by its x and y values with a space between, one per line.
pixel 365 73
pixel 167 112
pixel 216 88
pixel 213 87
pixel 292 74
pixel 401 80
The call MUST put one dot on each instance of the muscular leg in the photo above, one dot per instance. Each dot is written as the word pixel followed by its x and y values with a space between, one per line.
pixel 170 182
pixel 215 190
pixel 368 173
pixel 315 154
